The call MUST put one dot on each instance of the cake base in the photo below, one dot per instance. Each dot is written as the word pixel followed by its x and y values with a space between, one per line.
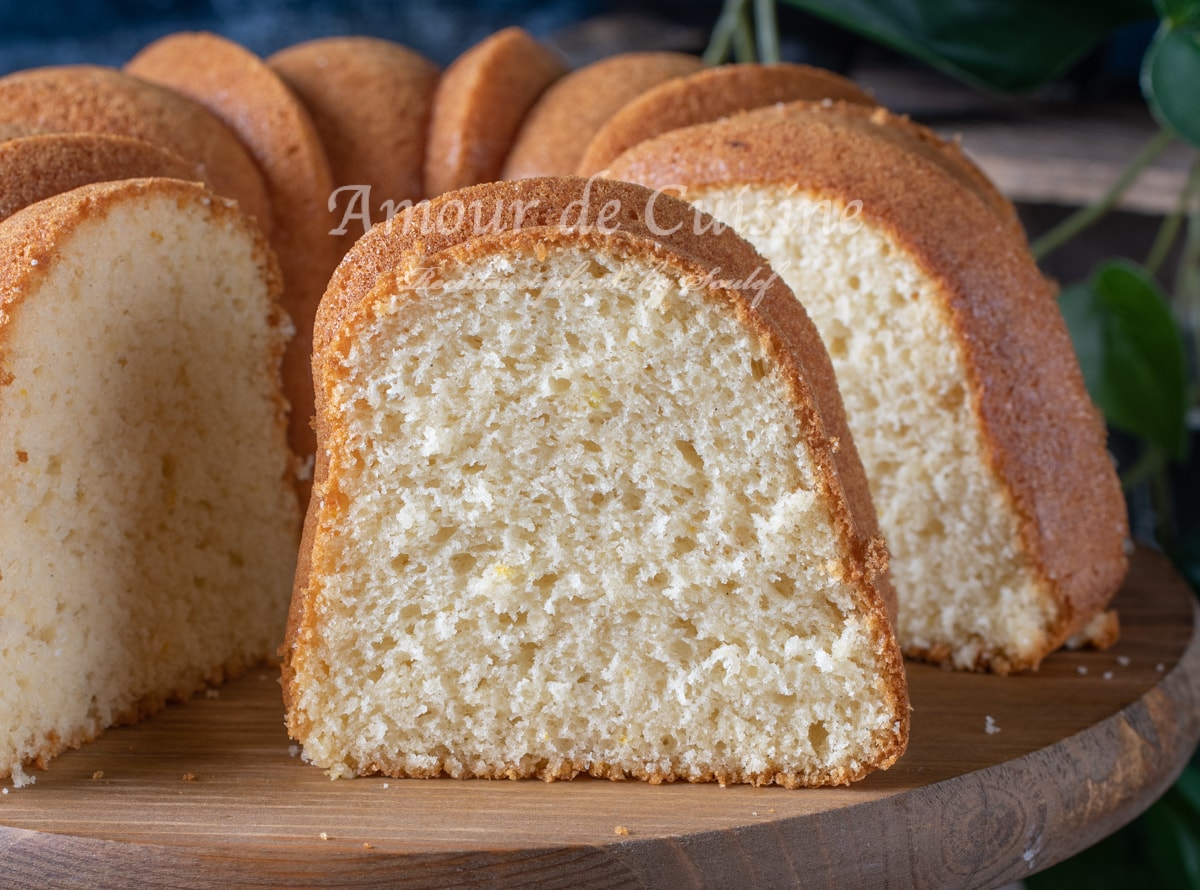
pixel 1077 755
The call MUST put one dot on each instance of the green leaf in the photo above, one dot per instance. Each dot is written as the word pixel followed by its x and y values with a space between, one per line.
pixel 1172 844
pixel 1131 352
pixel 1178 11
pixel 1008 45
pixel 1171 72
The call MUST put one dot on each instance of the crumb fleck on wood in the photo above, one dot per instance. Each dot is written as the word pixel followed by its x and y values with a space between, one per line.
pixel 989 725
pixel 189 777
pixel 98 774
pixel 367 846
pixel 1082 669
pixel 621 831
pixel 1123 660
pixel 324 835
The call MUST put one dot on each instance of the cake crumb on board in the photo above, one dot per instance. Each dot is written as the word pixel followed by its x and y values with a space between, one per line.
pixel 621 831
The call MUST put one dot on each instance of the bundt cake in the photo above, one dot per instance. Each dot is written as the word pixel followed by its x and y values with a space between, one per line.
pixel 987 462
pixel 479 105
pixel 93 99
pixel 560 125
pixel 385 152
pixel 585 502
pixel 239 88
pixel 709 95
pixel 148 523
pixel 33 168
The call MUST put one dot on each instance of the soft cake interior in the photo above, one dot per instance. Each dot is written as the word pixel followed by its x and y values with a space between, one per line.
pixel 578 529
pixel 147 535
pixel 965 588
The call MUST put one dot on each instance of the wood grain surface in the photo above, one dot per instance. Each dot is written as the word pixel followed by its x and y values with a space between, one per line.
pixel 210 793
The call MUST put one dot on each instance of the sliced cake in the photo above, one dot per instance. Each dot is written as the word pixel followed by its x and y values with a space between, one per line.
pixel 987 461
pixel 33 168
pixel 242 90
pixel 148 524
pixel 479 105
pixel 367 147
pixel 92 99
pixel 559 127
pixel 708 96
pixel 585 502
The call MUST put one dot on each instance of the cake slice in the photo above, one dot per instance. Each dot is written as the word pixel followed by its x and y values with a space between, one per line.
pixel 384 152
pixel 33 168
pixel 479 105
pixel 710 95
pixel 987 462
pixel 147 522
pixel 254 102
pixel 559 127
pixel 585 502
pixel 94 99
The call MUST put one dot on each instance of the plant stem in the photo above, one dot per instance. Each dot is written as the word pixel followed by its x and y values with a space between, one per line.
pixel 743 37
pixel 767 29
pixel 1169 229
pixel 1187 276
pixel 1081 219
pixel 722 36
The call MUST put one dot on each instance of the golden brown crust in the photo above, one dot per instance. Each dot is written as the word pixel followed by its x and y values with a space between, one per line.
pixel 33 168
pixel 1045 438
pixel 480 103
pixel 341 80
pixel 530 215
pixel 708 96
pixel 91 99
pixel 562 123
pixel 15 131
pixel 30 241
pixel 254 102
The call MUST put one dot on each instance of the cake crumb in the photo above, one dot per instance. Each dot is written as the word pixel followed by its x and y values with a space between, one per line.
pixel 1082 669
pixel 3 791
pixel 98 774
pixel 1123 660
pixel 293 750
pixel 385 785
pixel 621 830
pixel 367 846
pixel 1160 667
pixel 212 693
pixel 189 777
pixel 1108 675
pixel 989 725
pixel 324 836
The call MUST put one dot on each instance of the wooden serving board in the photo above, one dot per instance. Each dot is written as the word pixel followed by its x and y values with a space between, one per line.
pixel 208 794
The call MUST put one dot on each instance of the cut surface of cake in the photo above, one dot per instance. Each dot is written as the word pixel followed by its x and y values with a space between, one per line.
pixel 987 462
pixel 585 502
pixel 255 103
pixel 148 525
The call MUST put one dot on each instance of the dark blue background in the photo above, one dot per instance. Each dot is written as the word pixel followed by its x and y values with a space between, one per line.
pixel 111 31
